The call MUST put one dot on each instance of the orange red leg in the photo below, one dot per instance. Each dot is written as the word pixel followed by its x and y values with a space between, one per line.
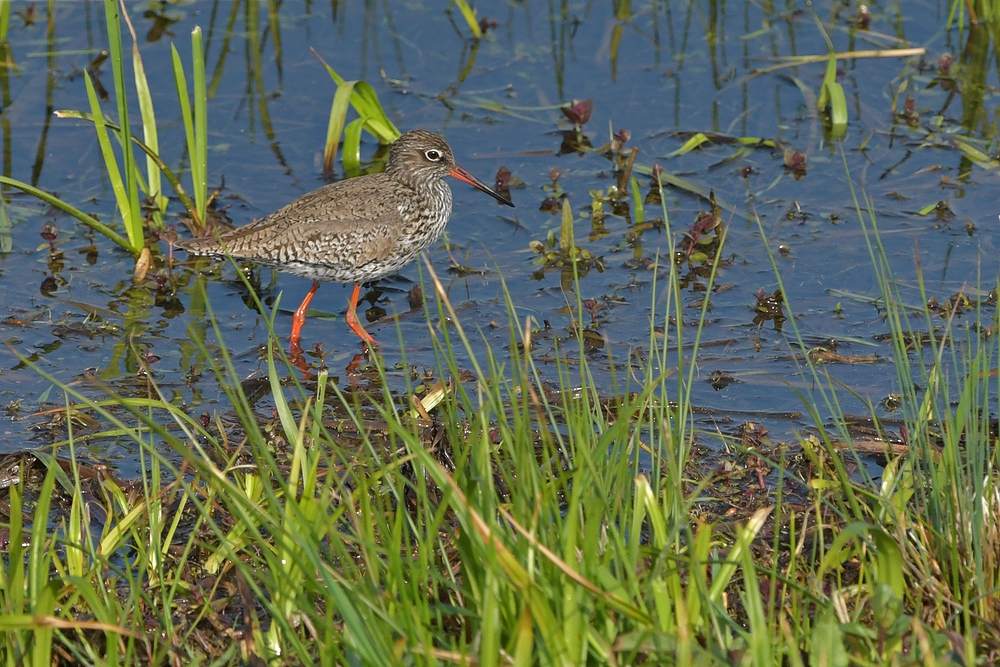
pixel 352 318
pixel 300 318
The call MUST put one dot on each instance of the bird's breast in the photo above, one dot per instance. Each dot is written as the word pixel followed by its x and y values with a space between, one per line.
pixel 424 217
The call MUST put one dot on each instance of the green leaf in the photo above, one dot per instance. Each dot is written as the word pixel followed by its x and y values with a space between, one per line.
pixel 372 117
pixel 639 212
pixel 976 155
pixel 350 154
pixel 469 14
pixel 199 152
pixel 338 117
pixel 889 566
pixel 897 485
pixel 111 164
pixel 832 96
pixel 692 143
pixel 184 100
pixel 195 122
pixel 566 240
pixel 149 133
pixel 4 20
pixel 760 632
pixel 744 539
pixel 128 201
pixel 839 552
pixel 826 646
pixel 365 102
pixel 6 238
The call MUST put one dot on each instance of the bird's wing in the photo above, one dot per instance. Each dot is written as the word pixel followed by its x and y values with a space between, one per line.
pixel 350 245
pixel 335 224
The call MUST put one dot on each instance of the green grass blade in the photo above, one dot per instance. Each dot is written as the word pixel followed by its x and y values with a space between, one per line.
pixel 469 14
pixel 638 208
pixel 13 572
pixel 832 96
pixel 86 219
pixel 365 102
pixel 746 536
pixel 288 422
pixel 6 229
pixel 111 164
pixel 688 186
pixel 165 170
pixel 693 142
pixel 199 152
pixel 889 564
pixel 184 100
pixel 4 20
pixel 976 155
pixel 39 556
pixel 149 132
pixel 338 117
pixel 350 153
pixel 132 215
pixel 45 605
pixel 759 635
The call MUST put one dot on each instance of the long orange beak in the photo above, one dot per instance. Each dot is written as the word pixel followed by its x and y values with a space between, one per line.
pixel 463 175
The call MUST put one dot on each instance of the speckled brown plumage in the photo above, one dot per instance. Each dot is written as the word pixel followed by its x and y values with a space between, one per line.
pixel 357 230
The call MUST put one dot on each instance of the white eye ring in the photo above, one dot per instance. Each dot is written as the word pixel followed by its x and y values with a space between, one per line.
pixel 432 154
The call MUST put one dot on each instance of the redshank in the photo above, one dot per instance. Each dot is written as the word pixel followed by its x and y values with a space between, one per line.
pixel 354 231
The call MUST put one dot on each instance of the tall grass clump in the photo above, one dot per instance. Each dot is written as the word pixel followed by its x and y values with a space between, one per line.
pixel 140 201
pixel 944 496
pixel 925 535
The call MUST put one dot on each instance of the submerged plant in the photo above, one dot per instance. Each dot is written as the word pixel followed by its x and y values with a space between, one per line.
pixel 559 251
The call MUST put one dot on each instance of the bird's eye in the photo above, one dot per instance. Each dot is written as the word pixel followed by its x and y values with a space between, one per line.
pixel 432 154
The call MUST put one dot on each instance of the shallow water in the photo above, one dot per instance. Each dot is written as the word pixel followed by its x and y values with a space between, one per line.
pixel 655 69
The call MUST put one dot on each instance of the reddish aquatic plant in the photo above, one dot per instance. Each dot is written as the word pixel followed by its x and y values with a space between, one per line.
pixel 502 178
pixel 578 111
pixel 502 181
pixel 945 61
pixel 551 205
pixel 592 306
pixel 50 232
pixel 794 160
pixel 703 224
pixel 769 307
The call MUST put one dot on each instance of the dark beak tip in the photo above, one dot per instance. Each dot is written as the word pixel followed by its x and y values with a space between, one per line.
pixel 499 197
pixel 466 177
